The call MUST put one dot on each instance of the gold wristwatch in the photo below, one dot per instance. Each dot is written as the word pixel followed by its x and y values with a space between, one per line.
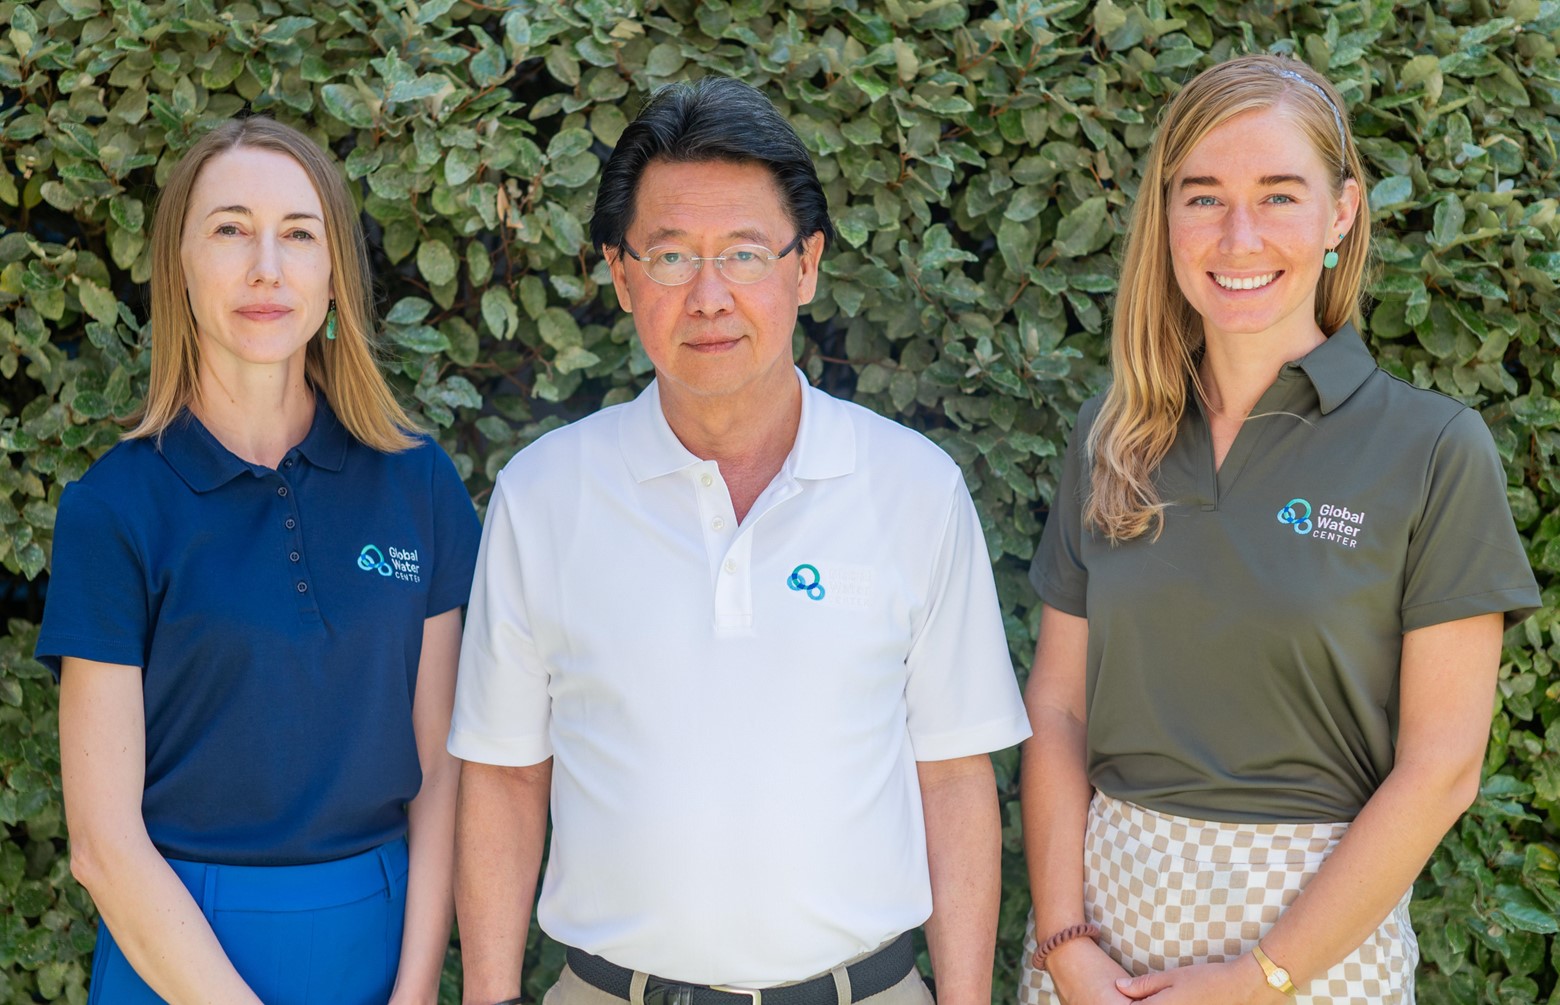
pixel 1277 976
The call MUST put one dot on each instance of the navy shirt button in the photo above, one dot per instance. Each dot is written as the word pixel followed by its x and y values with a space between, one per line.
pixel 281 490
pixel 291 523
pixel 288 462
pixel 303 587
pixel 293 556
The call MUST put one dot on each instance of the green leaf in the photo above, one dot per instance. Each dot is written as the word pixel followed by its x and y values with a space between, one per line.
pixel 436 262
pixel 1536 410
pixel 1026 204
pixel 1390 192
pixel 427 85
pixel 1017 242
pixel 422 339
pixel 1449 217
pixel 461 165
pixel 344 102
pixel 664 60
pixel 498 311
pixel 408 311
pixel 558 328
pixel 533 296
pixel 1077 233
pixel 572 358
pixel 98 302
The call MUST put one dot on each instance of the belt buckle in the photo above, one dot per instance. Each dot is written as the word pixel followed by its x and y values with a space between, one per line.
pixel 753 993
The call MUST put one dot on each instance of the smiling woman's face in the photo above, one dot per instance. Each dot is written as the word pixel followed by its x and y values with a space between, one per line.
pixel 1251 212
pixel 256 263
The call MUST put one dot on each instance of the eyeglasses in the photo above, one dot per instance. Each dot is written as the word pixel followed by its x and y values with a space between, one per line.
pixel 671 265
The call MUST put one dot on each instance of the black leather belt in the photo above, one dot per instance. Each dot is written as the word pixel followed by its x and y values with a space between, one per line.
pixel 869 976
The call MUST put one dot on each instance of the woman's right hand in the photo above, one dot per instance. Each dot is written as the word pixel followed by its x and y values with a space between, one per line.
pixel 1084 974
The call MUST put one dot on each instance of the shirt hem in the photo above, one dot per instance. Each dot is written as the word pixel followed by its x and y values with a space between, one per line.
pixel 505 753
pixel 984 739
pixel 1516 604
pixel 51 651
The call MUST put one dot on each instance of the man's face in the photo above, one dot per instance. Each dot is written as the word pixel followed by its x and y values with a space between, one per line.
pixel 711 339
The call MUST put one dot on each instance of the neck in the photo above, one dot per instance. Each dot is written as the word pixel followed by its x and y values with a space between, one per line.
pixel 258 416
pixel 1236 369
pixel 749 438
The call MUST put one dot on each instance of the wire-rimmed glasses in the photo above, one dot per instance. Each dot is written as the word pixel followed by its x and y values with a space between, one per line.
pixel 673 265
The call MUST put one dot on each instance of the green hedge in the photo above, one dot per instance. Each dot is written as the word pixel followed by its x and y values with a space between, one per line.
pixel 980 160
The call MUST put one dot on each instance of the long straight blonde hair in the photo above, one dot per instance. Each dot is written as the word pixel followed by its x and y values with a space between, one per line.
pixel 343 369
pixel 1155 333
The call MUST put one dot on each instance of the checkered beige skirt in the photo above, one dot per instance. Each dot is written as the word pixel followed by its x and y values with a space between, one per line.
pixel 1170 892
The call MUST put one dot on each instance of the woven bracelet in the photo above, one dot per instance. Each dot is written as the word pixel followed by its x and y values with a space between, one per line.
pixel 1086 930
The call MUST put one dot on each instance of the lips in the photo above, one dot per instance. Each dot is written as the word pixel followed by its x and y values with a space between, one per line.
pixel 264 312
pixel 1255 282
pixel 712 344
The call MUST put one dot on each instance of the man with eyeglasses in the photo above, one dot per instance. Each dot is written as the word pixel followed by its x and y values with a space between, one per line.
pixel 742 635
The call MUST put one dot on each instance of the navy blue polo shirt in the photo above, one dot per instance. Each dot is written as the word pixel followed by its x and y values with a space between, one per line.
pixel 277 616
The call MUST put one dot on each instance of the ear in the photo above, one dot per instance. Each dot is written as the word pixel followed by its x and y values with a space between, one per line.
pixel 809 255
pixel 615 262
pixel 1348 207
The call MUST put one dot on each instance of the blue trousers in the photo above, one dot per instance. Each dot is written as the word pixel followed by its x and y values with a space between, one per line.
pixel 298 935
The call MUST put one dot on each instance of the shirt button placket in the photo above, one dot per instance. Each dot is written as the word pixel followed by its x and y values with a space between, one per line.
pixel 295 544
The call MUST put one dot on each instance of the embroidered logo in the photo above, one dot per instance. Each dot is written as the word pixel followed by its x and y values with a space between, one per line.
pixel 1297 514
pixel 401 563
pixel 1330 522
pixel 806 579
pixel 371 559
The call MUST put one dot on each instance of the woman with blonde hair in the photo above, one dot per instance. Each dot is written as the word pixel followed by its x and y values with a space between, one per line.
pixel 1274 582
pixel 254 613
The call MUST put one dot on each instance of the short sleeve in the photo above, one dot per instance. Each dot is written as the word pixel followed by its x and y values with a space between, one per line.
pixel 1057 572
pixel 457 534
pixel 1464 555
pixel 502 705
pixel 961 693
pixel 98 605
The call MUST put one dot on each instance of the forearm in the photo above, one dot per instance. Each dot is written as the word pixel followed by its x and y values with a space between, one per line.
pixel 501 826
pixel 964 850
pixel 155 921
pixel 1447 689
pixel 1055 792
pixel 1374 864
pixel 429 886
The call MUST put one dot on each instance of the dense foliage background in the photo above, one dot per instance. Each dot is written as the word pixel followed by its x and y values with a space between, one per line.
pixel 980 159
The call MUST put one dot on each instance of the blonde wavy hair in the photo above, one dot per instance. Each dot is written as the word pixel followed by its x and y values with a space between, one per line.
pixel 343 369
pixel 1155 333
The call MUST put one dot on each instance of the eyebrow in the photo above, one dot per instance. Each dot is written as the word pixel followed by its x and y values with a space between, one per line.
pixel 245 211
pixel 672 233
pixel 1267 181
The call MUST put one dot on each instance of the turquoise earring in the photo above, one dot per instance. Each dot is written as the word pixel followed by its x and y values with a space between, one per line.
pixel 330 317
pixel 1329 260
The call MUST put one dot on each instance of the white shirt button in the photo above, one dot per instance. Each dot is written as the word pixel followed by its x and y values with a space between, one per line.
pixel 731 565
pixel 706 480
pixel 717 523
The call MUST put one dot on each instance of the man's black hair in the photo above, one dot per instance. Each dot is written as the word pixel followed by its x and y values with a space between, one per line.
pixel 712 119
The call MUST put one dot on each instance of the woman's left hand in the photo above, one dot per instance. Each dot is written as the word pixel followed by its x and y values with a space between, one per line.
pixel 1234 982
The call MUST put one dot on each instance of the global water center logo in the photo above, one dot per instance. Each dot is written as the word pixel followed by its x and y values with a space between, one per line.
pixel 1330 522
pixel 401 563
pixel 806 579
pixel 1297 514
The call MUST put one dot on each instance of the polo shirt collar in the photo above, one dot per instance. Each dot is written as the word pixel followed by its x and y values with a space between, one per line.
pixel 204 464
pixel 825 444
pixel 327 442
pixel 1338 367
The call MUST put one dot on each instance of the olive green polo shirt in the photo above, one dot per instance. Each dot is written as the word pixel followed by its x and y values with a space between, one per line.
pixel 1244 665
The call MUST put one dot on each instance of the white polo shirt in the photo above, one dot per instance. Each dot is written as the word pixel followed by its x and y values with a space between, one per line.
pixel 735 712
